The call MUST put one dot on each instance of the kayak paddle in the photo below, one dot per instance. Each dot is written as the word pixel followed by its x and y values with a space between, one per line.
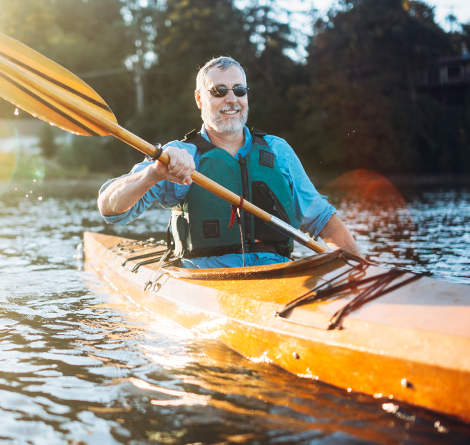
pixel 48 91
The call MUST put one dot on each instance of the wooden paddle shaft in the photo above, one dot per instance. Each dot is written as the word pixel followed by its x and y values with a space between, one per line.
pixel 66 100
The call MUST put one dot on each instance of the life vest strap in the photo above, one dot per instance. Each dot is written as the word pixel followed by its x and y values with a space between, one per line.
pixel 203 145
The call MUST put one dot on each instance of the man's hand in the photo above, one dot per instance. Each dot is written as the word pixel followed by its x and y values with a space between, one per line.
pixel 179 170
pixel 336 234
pixel 125 192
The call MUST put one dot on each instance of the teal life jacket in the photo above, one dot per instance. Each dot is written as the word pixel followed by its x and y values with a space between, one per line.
pixel 199 224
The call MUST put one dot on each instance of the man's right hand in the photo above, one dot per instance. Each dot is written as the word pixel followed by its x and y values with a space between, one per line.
pixel 125 192
pixel 180 168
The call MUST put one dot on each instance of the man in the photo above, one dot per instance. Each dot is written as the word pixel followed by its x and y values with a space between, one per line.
pixel 262 169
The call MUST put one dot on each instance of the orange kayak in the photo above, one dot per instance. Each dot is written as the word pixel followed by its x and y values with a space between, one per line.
pixel 331 317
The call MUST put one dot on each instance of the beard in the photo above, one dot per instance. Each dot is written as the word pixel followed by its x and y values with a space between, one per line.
pixel 231 125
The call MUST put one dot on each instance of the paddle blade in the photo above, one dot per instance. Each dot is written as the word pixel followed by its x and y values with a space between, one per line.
pixel 27 96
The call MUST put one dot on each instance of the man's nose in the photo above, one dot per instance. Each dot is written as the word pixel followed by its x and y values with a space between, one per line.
pixel 230 97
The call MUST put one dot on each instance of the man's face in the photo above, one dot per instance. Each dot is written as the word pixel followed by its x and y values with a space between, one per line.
pixel 228 114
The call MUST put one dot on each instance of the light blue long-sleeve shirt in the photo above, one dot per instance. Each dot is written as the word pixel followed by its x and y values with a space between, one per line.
pixel 312 210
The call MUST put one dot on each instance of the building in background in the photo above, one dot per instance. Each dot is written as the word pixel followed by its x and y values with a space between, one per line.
pixel 453 81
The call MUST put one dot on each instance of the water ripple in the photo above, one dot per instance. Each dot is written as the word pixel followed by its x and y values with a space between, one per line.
pixel 81 364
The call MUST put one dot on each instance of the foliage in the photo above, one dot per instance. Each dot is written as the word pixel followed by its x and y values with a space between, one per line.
pixel 362 107
pixel 358 101
pixel 83 36
pixel 85 154
pixel 188 33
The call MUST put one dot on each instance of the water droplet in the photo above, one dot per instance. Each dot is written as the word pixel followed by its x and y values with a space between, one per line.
pixel 440 428
pixel 390 408
pixel 16 112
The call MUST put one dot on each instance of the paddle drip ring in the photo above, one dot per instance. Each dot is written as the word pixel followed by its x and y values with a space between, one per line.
pixel 159 152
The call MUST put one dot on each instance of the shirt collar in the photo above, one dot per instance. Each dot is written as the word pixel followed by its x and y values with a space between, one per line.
pixel 243 150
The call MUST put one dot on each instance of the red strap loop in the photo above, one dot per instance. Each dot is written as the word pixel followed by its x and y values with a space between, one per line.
pixel 234 212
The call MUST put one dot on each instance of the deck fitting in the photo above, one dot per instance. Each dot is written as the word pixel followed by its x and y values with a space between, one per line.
pixel 406 383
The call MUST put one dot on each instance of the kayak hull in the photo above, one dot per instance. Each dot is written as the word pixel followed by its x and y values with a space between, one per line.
pixel 410 344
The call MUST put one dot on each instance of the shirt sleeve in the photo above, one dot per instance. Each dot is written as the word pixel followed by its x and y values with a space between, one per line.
pixel 165 193
pixel 312 210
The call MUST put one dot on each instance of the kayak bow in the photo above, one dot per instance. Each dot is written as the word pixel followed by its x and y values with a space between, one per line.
pixel 331 317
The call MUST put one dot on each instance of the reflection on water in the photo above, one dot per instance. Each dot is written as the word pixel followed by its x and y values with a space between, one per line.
pixel 422 229
pixel 82 364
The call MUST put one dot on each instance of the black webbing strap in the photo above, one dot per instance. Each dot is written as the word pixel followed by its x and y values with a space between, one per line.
pixel 258 137
pixel 202 144
pixel 379 285
pixel 375 290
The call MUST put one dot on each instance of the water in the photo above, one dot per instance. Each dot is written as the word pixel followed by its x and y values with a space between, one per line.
pixel 81 364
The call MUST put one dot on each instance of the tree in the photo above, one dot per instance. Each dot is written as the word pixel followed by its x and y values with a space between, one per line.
pixel 83 36
pixel 362 106
pixel 47 142
pixel 187 33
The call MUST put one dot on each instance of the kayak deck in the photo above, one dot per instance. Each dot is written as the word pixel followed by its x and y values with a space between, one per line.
pixel 398 335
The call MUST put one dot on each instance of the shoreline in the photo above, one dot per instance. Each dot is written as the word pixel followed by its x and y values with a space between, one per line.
pixel 91 184
pixel 321 180
pixel 447 179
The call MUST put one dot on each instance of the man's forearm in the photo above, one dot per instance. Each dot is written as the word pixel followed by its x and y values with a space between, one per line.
pixel 336 233
pixel 124 193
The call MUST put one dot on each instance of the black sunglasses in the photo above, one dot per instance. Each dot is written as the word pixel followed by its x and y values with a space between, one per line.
pixel 222 91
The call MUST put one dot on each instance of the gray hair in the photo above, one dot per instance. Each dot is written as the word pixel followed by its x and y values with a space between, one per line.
pixel 222 63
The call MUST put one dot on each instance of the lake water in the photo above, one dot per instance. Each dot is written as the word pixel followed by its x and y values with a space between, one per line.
pixel 81 364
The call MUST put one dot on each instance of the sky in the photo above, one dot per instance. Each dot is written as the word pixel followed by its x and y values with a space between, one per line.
pixel 442 8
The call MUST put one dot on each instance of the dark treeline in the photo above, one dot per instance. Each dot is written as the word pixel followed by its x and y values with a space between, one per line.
pixel 358 101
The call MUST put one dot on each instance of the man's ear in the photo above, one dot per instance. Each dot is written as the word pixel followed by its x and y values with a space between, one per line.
pixel 197 96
